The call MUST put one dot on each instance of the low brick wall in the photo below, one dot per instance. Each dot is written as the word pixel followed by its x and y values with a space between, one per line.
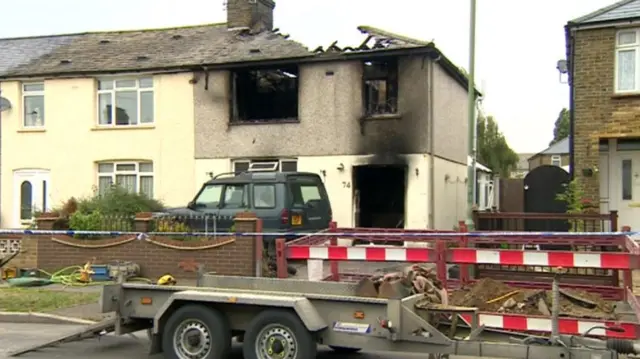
pixel 156 255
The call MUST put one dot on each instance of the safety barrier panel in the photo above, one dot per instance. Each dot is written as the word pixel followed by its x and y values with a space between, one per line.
pixel 460 248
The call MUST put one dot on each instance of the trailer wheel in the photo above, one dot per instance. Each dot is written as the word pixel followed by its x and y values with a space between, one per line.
pixel 196 332
pixel 278 334
pixel 344 350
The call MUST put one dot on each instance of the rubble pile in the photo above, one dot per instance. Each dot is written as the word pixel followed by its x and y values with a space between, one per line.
pixel 414 279
pixel 493 296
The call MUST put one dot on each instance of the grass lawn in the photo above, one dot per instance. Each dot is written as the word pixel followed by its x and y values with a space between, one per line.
pixel 42 300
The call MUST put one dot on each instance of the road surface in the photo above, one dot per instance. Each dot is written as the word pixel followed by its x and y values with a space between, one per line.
pixel 16 336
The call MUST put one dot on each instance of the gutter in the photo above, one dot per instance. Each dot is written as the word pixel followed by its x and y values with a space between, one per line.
pixel 570 45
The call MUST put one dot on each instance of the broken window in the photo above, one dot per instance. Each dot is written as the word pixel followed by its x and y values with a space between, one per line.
pixel 263 95
pixel 381 87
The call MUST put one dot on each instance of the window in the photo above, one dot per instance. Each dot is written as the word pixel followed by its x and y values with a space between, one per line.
pixel 381 87
pixel 265 95
pixel 628 144
pixel 303 193
pixel 135 177
pixel 33 104
pixel 264 196
pixel 556 161
pixel 125 102
pixel 627 193
pixel 209 197
pixel 26 201
pixel 283 165
pixel 627 69
pixel 235 196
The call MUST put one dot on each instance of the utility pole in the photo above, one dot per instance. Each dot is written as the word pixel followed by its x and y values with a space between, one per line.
pixel 471 170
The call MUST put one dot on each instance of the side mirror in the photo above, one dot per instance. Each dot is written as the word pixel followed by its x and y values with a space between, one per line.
pixel 191 205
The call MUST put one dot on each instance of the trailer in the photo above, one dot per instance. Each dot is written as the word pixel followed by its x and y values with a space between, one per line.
pixel 275 318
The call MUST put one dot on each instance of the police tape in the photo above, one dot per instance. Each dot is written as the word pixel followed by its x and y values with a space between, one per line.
pixel 74 233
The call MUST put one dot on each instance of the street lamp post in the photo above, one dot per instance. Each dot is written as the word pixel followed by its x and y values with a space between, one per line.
pixel 471 170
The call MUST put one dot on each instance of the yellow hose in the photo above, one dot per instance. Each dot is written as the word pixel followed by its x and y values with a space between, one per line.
pixel 71 277
pixel 503 297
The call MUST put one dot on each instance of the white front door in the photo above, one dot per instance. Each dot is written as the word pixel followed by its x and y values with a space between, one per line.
pixel 31 194
pixel 626 169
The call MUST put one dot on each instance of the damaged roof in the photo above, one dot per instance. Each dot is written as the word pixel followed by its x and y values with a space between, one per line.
pixel 621 10
pixel 188 48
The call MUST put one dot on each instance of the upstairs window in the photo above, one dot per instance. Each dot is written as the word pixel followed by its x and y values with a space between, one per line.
pixel 381 87
pixel 627 69
pixel 264 95
pixel 33 104
pixel 280 165
pixel 125 102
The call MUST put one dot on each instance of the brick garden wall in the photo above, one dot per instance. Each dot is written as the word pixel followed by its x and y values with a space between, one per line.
pixel 156 255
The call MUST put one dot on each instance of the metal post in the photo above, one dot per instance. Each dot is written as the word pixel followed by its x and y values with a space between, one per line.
pixel 555 308
pixel 471 170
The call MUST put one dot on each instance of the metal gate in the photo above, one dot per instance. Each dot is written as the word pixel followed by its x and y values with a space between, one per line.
pixel 541 186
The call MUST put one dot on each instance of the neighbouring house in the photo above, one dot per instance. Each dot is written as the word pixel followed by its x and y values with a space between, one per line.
pixel 603 56
pixel 554 155
pixel 161 111
pixel 522 167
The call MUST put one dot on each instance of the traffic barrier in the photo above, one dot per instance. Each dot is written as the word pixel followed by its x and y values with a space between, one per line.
pixel 462 248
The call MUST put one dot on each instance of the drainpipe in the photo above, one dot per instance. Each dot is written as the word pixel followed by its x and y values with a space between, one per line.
pixel 432 139
pixel 0 156
pixel 471 170
pixel 570 40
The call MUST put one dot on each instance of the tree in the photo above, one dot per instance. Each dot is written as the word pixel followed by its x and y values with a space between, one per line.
pixel 492 148
pixel 561 129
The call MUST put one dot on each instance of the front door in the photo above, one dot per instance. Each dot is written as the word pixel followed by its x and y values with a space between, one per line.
pixel 31 194
pixel 627 168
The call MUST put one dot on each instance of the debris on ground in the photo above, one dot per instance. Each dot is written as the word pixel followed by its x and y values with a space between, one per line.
pixel 490 295
pixel 414 279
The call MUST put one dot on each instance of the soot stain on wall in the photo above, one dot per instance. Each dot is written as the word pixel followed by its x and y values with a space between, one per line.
pixel 387 141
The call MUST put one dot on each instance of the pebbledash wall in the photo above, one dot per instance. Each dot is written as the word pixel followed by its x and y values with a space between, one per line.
pixel 156 255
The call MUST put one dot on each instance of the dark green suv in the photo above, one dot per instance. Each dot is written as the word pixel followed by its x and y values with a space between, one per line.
pixel 285 201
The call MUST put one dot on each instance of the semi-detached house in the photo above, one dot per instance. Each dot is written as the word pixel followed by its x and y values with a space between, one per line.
pixel 160 111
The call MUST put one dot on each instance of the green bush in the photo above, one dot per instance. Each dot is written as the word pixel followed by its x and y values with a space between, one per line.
pixel 86 221
pixel 118 201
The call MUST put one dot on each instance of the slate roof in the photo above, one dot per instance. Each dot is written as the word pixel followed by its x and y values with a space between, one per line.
pixel 186 48
pixel 559 148
pixel 142 49
pixel 621 10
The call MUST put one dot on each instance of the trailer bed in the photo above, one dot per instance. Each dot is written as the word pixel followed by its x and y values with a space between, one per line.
pixel 332 314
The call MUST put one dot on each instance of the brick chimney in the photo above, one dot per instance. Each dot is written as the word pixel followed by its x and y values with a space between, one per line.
pixel 256 15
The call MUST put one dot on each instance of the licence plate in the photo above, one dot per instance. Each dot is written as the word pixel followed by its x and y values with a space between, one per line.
pixel 296 220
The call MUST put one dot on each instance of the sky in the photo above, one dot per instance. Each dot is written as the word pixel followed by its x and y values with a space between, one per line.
pixel 518 42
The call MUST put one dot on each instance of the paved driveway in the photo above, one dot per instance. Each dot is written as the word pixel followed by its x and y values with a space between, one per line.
pixel 15 336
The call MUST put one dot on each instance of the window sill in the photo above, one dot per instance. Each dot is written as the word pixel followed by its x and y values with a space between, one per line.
pixel 625 95
pixel 28 130
pixel 383 116
pixel 123 128
pixel 264 122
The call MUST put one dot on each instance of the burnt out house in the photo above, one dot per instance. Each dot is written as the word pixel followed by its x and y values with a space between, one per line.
pixel 384 122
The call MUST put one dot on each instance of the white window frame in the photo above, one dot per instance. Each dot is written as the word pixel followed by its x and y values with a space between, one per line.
pixel 626 47
pixel 113 91
pixel 26 94
pixel 135 172
pixel 248 162
pixel 556 160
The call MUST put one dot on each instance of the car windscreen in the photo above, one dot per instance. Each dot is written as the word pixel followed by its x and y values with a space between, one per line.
pixel 209 197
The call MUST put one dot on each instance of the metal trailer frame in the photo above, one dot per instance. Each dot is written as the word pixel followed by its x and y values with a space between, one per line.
pixel 328 314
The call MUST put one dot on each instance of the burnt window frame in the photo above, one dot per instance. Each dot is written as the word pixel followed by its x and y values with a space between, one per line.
pixel 239 116
pixel 391 77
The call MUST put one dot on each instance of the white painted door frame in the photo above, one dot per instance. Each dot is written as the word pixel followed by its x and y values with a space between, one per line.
pixel 40 182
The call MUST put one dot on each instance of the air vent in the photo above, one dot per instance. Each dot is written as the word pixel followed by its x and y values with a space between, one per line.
pixel 105 42
pixel 142 58
pixel 65 62
pixel 255 51
pixel 177 37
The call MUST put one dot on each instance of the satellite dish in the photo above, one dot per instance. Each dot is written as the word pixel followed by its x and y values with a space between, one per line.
pixel 4 104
